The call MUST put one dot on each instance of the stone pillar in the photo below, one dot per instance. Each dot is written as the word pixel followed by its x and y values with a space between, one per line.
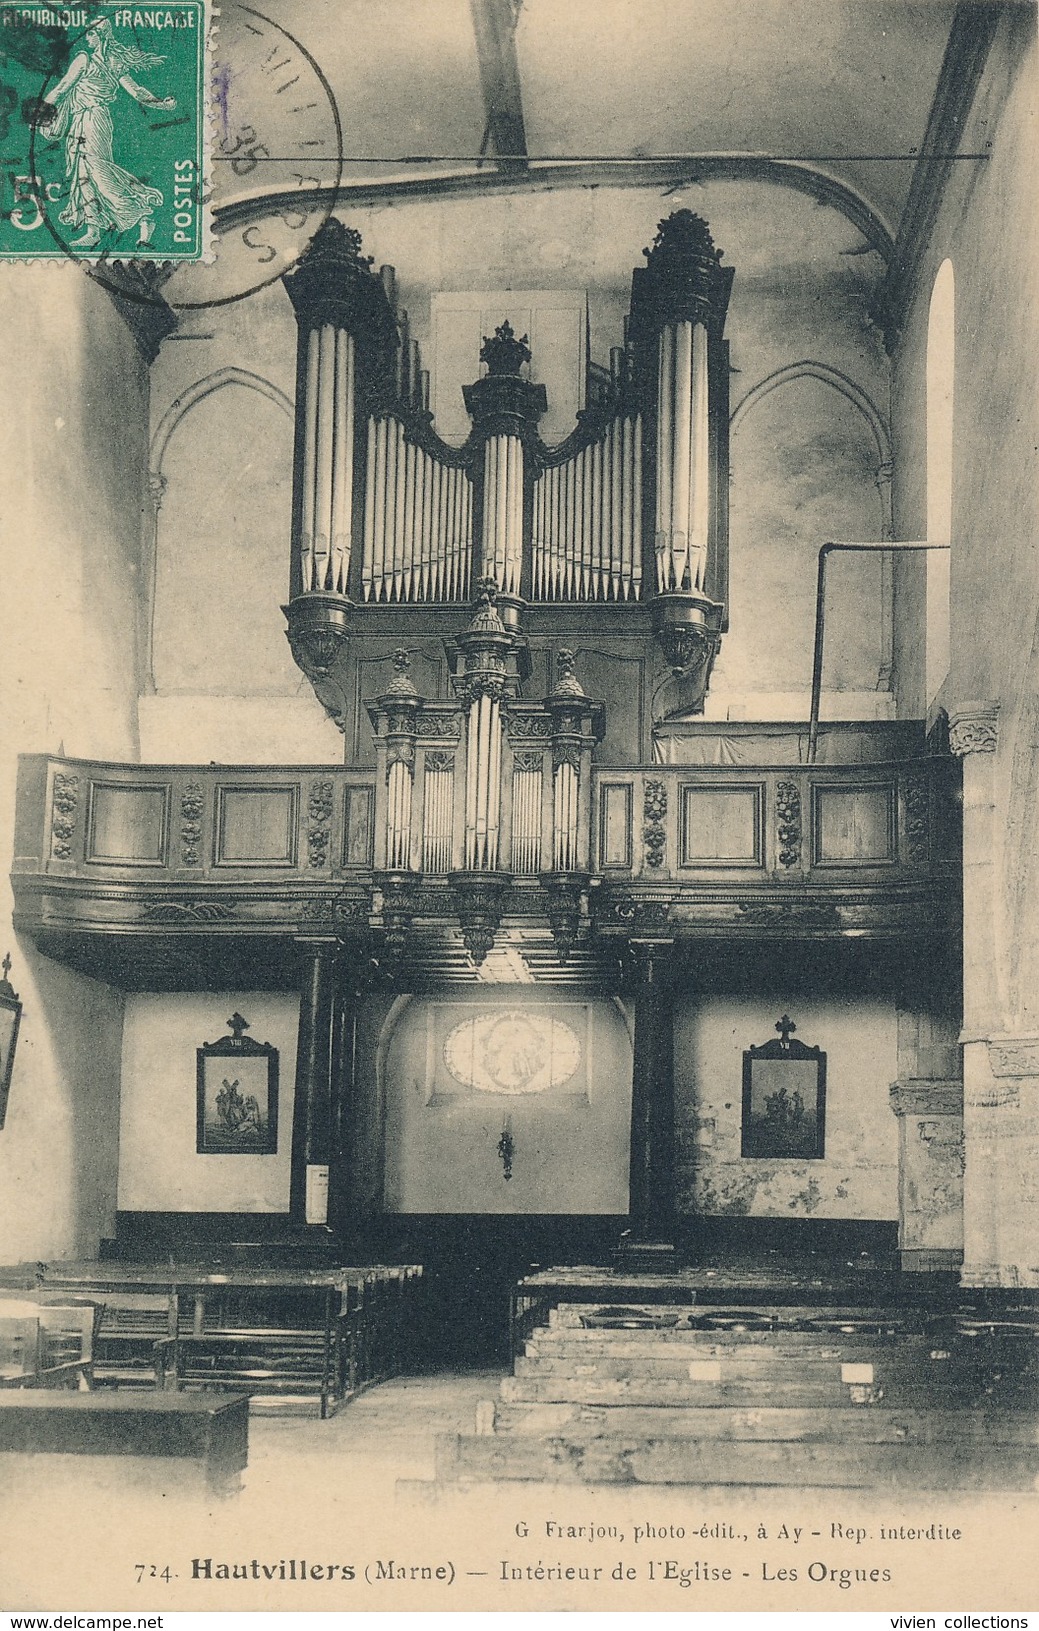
pixel 1000 1069
pixel 312 1107
pixel 651 1199
pixel 930 1173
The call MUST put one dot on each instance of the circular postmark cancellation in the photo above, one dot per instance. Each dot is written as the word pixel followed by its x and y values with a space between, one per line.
pixel 125 131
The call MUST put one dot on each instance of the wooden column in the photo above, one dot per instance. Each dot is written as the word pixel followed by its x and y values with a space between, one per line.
pixel 312 1109
pixel 345 1208
pixel 651 1203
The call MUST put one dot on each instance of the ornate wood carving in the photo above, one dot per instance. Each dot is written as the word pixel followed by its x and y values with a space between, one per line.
pixel 440 763
pixel 641 916
pixel 64 802
pixel 192 803
pixel 319 813
pixel 438 727
pixel 654 809
pixel 564 890
pixel 188 911
pixel 529 727
pixel 788 823
pixel 917 818
pixel 480 900
pixel 780 913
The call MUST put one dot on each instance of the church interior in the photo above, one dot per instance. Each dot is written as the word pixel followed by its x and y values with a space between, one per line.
pixel 520 796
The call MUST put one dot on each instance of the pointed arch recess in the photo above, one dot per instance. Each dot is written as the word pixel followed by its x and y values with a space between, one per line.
pixel 807 369
pixel 198 392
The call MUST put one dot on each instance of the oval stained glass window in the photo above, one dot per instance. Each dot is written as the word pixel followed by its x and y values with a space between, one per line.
pixel 512 1051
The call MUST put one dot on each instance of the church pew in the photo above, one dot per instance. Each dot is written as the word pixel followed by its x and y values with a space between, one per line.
pixel 287 1337
pixel 799 1395
pixel 604 1318
pixel 209 1435
pixel 926 1365
pixel 795 1391
pixel 570 1419
pixel 951 1462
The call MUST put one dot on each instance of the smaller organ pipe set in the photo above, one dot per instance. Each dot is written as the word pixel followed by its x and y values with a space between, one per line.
pixel 628 513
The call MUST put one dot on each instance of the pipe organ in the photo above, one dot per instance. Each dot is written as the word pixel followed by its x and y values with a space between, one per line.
pixel 626 518
pixel 630 507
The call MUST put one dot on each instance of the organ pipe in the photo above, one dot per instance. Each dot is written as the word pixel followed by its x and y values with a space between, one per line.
pixel 587 532
pixel 683 442
pixel 326 477
pixel 417 521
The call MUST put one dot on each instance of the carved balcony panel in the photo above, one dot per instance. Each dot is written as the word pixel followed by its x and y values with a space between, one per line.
pixel 116 866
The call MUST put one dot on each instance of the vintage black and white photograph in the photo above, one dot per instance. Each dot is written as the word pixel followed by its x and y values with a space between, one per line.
pixel 520 797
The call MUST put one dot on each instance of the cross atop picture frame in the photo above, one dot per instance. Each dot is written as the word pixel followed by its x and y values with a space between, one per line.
pixel 784 1099
pixel 237 1094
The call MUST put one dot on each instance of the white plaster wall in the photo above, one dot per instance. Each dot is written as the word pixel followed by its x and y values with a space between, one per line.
pixel 992 238
pixel 159 1167
pixel 73 440
pixel 441 1140
pixel 858 1177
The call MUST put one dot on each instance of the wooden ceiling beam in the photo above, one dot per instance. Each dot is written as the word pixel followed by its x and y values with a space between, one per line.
pixel 494 24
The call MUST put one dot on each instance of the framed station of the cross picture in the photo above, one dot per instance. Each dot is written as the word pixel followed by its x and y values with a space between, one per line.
pixel 237 1095
pixel 784 1099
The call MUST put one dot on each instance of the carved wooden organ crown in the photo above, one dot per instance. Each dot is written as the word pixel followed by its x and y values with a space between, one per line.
pixel 630 510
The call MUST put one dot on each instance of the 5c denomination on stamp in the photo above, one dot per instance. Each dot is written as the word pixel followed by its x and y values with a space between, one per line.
pixel 103 131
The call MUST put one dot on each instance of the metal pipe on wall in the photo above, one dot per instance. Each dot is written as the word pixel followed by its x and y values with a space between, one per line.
pixel 820 621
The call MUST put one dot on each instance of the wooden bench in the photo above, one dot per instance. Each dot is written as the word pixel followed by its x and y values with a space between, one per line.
pixel 209 1431
pixel 803 1395
pixel 288 1337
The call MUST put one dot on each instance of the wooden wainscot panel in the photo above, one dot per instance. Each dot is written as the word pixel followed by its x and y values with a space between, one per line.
pixel 853 825
pixel 359 827
pixel 615 832
pixel 721 825
pixel 256 826
pixel 128 823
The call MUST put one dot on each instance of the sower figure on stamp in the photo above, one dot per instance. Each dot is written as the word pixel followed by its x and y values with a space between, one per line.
pixel 102 195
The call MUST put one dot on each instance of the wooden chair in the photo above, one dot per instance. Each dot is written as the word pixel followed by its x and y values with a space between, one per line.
pixel 20 1343
pixel 62 1353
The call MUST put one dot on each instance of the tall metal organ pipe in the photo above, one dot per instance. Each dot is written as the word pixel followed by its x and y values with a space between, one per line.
pixel 327 467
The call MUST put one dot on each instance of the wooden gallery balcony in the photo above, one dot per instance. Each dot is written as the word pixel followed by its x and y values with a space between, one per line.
pixel 159 876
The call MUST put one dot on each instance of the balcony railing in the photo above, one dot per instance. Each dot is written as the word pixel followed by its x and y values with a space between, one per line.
pixel 162 846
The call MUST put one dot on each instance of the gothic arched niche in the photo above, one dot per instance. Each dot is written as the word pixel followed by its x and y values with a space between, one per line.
pixel 804 465
pixel 222 547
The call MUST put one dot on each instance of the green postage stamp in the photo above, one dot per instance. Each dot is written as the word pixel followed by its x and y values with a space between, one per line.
pixel 102 131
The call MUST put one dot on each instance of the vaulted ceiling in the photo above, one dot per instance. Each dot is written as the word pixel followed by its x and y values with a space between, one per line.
pixel 520 92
